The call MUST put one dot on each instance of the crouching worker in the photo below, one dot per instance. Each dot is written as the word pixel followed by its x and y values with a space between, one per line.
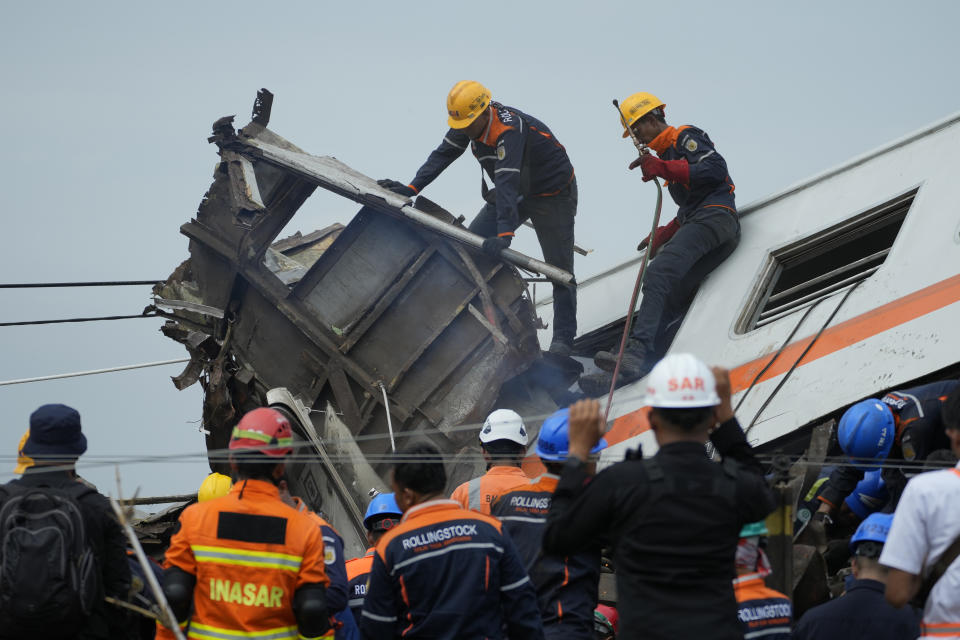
pixel 566 584
pixel 444 572
pixel 250 565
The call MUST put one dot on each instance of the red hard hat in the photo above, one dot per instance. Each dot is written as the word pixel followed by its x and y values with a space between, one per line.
pixel 265 430
pixel 608 615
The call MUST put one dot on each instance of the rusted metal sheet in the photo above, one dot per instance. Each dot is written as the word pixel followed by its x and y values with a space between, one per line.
pixel 330 316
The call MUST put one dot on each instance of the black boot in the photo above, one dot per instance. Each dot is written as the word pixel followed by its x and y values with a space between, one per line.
pixel 631 365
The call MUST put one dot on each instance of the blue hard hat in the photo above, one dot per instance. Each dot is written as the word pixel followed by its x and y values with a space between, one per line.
pixel 874 529
pixel 383 505
pixel 866 433
pixel 553 443
pixel 869 496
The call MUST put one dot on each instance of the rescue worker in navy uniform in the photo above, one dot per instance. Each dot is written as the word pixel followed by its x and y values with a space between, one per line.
pixel 533 179
pixel 445 572
pixel 903 425
pixel 704 233
pixel 382 515
pixel 673 520
pixel 566 585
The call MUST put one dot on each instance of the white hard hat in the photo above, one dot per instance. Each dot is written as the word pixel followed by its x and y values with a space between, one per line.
pixel 681 381
pixel 504 424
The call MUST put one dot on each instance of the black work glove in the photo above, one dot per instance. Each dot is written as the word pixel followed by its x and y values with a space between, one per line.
pixel 494 246
pixel 399 188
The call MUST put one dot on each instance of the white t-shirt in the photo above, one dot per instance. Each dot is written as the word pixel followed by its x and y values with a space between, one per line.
pixel 926 522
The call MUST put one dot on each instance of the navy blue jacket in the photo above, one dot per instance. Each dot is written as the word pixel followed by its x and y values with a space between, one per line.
pixel 445 572
pixel 862 613
pixel 517 152
pixel 710 186
pixel 916 413
pixel 566 585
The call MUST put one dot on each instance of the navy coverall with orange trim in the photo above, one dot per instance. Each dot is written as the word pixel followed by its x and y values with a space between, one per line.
pixel 358 572
pixel 709 232
pixel 533 179
pixel 566 585
pixel 445 572
pixel 920 431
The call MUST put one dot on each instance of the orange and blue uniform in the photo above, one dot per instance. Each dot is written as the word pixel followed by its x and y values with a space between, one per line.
pixel 478 494
pixel 566 585
pixel 358 572
pixel 250 553
pixel 446 572
pixel 763 612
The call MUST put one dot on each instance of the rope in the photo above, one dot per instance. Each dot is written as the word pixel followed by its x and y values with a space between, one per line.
pixel 92 372
pixel 25 323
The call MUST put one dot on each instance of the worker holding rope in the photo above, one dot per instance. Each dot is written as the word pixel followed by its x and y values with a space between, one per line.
pixel 704 233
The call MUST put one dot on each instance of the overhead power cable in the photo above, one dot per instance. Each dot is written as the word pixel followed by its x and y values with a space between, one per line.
pixel 92 372
pixel 24 323
pixel 114 283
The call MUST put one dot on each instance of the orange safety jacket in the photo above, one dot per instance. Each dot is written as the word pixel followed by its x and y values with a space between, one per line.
pixel 358 572
pixel 761 610
pixel 250 553
pixel 478 494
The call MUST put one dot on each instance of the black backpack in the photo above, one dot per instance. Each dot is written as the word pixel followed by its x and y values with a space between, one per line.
pixel 48 573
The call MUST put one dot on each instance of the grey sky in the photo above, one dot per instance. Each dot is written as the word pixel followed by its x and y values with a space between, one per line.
pixel 107 107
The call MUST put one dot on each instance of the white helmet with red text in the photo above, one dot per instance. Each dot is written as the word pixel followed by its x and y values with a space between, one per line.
pixel 681 381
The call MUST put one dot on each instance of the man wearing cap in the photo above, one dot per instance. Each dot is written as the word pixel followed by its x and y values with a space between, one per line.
pixel 763 612
pixel 673 520
pixel 923 546
pixel 862 613
pixel 566 584
pixel 382 515
pixel 503 440
pixel 54 445
pixel 704 233
pixel 246 564
pixel 533 179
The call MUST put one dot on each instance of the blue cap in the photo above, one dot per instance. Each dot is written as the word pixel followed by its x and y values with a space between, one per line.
pixel 874 529
pixel 55 432
pixel 869 496
pixel 553 443
pixel 383 506
pixel 866 433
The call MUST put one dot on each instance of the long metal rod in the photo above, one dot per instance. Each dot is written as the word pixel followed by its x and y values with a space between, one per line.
pixel 76 374
pixel 113 283
pixel 828 275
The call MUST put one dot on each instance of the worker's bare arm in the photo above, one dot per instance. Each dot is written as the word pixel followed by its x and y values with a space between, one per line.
pixel 901 587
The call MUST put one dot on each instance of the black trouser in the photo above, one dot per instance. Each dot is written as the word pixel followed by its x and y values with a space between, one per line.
pixel 552 218
pixel 704 240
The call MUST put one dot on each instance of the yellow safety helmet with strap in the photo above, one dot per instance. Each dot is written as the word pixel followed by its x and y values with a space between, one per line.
pixel 637 106
pixel 215 485
pixel 465 102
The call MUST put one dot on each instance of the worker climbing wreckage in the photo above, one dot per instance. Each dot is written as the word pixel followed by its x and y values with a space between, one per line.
pixel 533 180
pixel 704 233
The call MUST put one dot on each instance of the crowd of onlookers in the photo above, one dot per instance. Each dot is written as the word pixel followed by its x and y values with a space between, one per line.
pixel 507 555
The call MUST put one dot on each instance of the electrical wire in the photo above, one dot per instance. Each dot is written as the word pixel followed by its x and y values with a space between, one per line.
pixel 92 372
pixel 114 283
pixel 25 323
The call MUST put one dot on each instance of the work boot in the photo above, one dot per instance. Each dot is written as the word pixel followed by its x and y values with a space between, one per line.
pixel 561 347
pixel 631 364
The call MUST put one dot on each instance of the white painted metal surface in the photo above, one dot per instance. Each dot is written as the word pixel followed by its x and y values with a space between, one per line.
pixel 896 326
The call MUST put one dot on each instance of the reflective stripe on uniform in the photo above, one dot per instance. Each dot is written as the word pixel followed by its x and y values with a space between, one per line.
pixel 781 629
pixel 523 519
pixel 261 437
pixel 245 558
pixel 373 616
pixel 940 630
pixel 501 169
pixel 206 632
pixel 514 585
pixel 453 144
pixel 355 602
pixel 440 552
pixel 473 494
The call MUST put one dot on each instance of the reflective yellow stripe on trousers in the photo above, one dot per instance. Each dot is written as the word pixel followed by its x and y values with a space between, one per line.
pixel 245 558
pixel 206 632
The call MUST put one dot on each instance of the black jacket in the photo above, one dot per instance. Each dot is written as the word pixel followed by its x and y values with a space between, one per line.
pixel 673 522
pixel 862 613
pixel 109 546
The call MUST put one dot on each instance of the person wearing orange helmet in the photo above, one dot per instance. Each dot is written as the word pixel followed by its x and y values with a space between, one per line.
pixel 704 233
pixel 533 180
pixel 247 564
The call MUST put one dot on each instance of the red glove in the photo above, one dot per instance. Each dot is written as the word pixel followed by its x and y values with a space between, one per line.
pixel 660 237
pixel 670 170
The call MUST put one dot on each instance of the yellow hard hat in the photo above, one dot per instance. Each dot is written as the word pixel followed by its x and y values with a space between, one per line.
pixel 23 462
pixel 215 485
pixel 465 102
pixel 637 106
